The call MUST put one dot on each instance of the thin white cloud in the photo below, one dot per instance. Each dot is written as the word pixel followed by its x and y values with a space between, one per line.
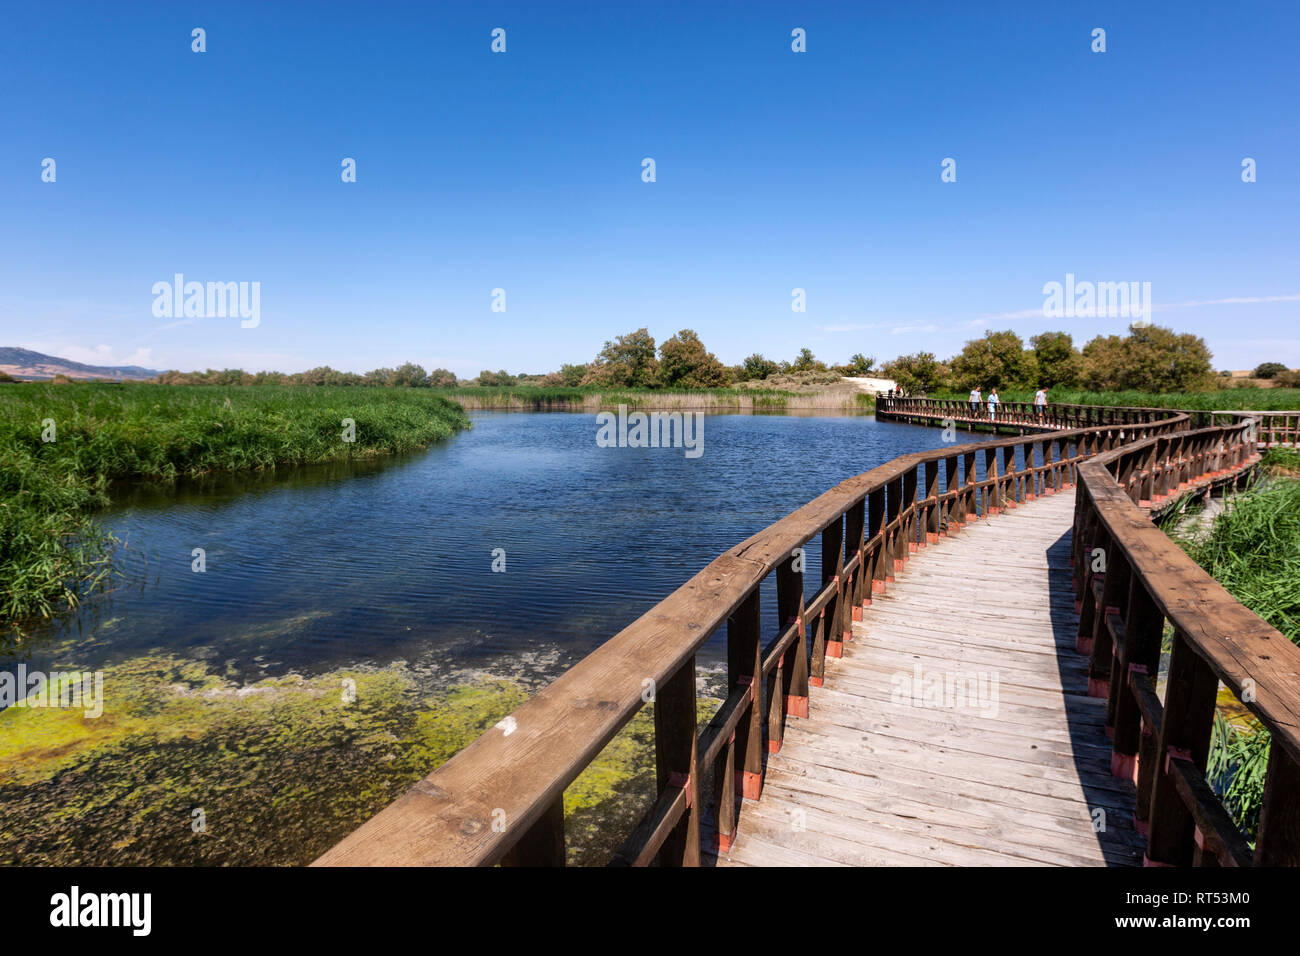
pixel 177 324
pixel 1022 314
pixel 1158 306
pixel 851 328
pixel 98 355
pixel 1242 300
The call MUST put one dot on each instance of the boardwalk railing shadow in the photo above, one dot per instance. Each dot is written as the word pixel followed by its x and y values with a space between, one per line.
pixel 1110 800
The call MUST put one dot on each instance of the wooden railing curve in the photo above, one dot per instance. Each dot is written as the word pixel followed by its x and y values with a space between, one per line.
pixel 1025 416
pixel 501 798
pixel 1130 580
pixel 1274 429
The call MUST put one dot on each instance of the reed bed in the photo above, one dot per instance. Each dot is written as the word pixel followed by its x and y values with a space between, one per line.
pixel 1253 550
pixel 62 446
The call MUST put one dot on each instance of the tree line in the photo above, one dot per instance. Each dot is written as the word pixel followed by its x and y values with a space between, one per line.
pixel 628 361
pixel 1148 358
pixel 408 375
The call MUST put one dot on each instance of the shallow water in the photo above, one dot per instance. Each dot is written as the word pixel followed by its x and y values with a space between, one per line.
pixel 366 562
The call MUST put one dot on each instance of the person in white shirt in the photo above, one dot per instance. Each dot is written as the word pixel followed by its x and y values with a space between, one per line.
pixel 993 403
pixel 1040 402
pixel 974 401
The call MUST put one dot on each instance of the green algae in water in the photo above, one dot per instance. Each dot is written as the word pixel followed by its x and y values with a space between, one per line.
pixel 280 769
pixel 609 798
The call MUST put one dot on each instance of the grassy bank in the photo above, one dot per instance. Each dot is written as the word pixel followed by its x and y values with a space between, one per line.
pixel 1225 399
pixel 61 446
pixel 1253 550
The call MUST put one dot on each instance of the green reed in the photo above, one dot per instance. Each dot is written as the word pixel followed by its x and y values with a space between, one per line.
pixel 51 548
pixel 1253 550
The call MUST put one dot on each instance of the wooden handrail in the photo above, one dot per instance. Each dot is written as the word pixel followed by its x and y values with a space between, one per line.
pixel 1027 416
pixel 1275 429
pixel 500 799
pixel 1132 579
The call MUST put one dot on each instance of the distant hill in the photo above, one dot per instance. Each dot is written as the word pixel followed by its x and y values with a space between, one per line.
pixel 33 366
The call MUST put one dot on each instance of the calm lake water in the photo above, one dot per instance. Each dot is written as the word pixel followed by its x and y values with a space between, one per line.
pixel 373 565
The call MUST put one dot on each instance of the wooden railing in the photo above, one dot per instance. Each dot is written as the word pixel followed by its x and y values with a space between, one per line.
pixel 1130 580
pixel 1272 429
pixel 500 800
pixel 1025 416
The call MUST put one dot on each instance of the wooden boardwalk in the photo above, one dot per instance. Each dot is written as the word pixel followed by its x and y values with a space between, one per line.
pixel 834 759
pixel 1015 773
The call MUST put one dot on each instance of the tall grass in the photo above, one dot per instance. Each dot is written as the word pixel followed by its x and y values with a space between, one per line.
pixel 1253 550
pixel 1281 461
pixel 52 550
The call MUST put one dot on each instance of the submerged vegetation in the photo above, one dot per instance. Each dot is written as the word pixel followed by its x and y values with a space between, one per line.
pixel 1253 550
pixel 186 767
pixel 62 446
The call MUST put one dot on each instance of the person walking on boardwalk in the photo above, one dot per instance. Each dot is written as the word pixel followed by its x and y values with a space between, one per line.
pixel 993 404
pixel 974 401
pixel 1040 402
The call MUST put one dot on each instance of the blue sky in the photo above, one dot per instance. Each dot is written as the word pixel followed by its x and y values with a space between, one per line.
pixel 522 171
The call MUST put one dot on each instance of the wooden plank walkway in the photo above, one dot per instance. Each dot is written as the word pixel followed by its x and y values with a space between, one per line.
pixel 1016 773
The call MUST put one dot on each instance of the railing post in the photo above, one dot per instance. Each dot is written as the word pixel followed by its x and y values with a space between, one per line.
pixel 1010 490
pixel 932 495
pixel 1028 483
pixel 894 518
pixel 970 506
pixel 1166 460
pixel 1084 531
pixel 743 668
pixel 794 667
pixel 910 484
pixel 543 843
pixel 724 796
pixel 1089 612
pixel 951 507
pixel 1180 463
pixel 1146 476
pixel 675 742
pixel 992 494
pixel 1143 629
pixel 1279 818
pixel 1114 589
pixel 833 572
pixel 831 541
pixel 876 515
pixel 1184 735
pixel 855 522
